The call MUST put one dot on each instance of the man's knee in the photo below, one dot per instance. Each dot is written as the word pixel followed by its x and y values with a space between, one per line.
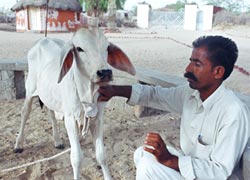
pixel 140 154
pixel 144 161
pixel 149 168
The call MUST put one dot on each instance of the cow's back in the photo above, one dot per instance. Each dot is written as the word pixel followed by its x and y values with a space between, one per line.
pixel 44 62
pixel 45 51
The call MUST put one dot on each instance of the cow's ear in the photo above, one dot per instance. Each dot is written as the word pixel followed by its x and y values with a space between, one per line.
pixel 67 60
pixel 119 60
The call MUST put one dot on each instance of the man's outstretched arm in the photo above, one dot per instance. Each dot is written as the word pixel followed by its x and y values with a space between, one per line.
pixel 109 91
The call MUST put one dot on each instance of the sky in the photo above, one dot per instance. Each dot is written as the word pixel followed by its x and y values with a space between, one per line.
pixel 128 4
pixel 7 4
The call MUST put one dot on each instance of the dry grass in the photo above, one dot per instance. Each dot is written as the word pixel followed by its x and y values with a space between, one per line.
pixel 230 18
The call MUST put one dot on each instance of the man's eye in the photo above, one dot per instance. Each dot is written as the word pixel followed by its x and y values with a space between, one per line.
pixel 197 64
pixel 79 49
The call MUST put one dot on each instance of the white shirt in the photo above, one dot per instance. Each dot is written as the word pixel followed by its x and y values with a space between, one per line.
pixel 221 122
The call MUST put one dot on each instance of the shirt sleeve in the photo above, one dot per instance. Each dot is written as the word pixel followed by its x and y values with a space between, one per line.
pixel 169 99
pixel 226 152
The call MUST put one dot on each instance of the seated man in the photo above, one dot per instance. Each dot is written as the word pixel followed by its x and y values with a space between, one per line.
pixel 214 123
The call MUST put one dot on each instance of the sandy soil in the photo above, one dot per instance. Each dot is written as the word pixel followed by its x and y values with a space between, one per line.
pixel 164 50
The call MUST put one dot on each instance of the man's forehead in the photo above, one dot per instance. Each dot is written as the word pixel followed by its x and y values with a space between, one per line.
pixel 200 52
pixel 199 55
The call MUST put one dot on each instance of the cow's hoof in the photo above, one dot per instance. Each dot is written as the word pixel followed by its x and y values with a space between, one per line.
pixel 18 150
pixel 61 146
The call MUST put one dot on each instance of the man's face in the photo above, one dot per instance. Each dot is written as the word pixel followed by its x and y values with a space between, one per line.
pixel 199 71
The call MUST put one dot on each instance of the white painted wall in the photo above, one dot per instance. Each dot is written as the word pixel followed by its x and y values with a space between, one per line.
pixel 142 15
pixel 21 22
pixel 34 18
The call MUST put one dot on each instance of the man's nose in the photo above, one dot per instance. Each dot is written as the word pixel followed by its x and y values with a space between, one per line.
pixel 188 68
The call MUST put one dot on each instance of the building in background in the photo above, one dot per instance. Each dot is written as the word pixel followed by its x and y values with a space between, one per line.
pixel 63 15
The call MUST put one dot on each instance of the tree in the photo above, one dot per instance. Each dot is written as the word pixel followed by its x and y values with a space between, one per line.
pixel 230 5
pixel 100 6
pixel 119 4
pixel 180 4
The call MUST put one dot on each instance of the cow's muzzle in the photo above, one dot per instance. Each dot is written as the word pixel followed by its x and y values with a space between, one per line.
pixel 105 75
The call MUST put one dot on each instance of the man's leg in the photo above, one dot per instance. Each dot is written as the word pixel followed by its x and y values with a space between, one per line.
pixel 148 168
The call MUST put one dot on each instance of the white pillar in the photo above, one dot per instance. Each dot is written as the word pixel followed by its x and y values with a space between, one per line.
pixel 190 17
pixel 142 15
pixel 207 19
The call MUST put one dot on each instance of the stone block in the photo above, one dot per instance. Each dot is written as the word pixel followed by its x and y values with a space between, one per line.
pixel 12 85
pixel 142 111
pixel 19 81
pixel 12 78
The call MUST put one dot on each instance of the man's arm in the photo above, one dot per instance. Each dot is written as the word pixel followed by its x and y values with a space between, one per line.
pixel 168 99
pixel 107 92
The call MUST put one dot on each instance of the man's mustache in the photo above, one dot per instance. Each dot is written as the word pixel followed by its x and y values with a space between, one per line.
pixel 190 76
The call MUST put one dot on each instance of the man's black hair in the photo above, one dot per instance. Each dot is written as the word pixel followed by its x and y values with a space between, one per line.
pixel 222 51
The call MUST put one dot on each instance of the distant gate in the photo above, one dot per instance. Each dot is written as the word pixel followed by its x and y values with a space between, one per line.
pixel 168 20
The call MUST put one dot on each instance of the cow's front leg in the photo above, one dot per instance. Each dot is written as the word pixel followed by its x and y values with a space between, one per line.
pixel 24 116
pixel 96 129
pixel 76 154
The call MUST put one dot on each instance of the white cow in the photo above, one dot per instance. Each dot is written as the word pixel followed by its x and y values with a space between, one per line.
pixel 66 77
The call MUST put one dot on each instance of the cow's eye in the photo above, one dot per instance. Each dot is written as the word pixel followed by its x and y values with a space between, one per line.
pixel 79 49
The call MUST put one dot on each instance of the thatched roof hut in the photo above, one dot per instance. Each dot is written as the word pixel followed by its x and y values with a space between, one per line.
pixel 32 15
pixel 71 5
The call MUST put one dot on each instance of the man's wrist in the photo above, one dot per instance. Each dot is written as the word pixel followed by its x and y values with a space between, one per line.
pixel 172 163
pixel 122 91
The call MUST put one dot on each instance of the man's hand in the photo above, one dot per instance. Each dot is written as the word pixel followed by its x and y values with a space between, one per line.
pixel 106 93
pixel 156 146
pixel 109 91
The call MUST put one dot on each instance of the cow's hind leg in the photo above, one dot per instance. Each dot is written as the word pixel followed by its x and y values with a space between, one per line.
pixel 57 140
pixel 24 116
pixel 96 129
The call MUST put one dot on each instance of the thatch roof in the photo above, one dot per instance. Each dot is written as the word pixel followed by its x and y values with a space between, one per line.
pixel 72 5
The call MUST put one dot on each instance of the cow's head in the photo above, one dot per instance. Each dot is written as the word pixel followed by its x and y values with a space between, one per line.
pixel 89 54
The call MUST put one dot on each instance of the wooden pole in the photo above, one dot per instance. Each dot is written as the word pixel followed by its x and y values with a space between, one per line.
pixel 46 18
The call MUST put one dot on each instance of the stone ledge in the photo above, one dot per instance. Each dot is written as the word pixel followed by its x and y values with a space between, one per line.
pixel 13 65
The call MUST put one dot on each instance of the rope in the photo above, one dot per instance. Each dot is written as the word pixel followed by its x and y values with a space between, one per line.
pixel 35 162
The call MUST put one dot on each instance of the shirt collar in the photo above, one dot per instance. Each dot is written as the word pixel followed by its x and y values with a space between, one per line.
pixel 214 97
pixel 209 102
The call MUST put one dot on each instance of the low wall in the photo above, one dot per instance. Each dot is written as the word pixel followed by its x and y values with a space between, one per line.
pixel 12 79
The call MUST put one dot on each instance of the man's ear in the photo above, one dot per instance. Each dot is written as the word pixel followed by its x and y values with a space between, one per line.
pixel 219 72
